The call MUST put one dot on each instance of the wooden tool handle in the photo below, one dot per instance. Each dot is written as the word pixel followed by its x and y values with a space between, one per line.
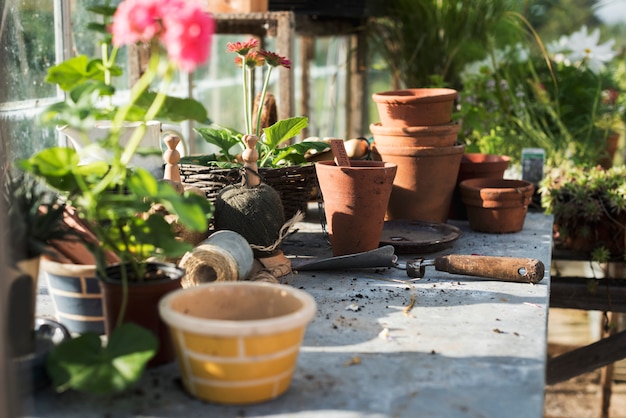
pixel 509 269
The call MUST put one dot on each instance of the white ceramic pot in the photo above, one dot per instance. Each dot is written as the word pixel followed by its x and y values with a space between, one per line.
pixel 86 143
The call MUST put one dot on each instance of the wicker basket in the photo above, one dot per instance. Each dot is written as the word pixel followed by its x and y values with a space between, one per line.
pixel 294 183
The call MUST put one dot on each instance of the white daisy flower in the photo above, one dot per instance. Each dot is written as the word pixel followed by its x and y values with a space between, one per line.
pixel 585 48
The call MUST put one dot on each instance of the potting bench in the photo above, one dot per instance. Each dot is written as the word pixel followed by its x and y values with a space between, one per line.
pixel 443 346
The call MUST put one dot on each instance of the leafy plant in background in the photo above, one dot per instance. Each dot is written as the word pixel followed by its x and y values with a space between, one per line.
pixel 426 43
pixel 116 201
pixel 560 97
pixel 588 204
pixel 272 153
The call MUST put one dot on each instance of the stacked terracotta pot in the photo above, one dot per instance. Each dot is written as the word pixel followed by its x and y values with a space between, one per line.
pixel 417 133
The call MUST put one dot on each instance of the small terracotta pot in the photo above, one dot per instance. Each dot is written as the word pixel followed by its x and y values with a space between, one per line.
pixel 142 305
pixel 496 205
pixel 426 178
pixel 237 342
pixel 415 107
pixel 355 201
pixel 416 136
pixel 476 165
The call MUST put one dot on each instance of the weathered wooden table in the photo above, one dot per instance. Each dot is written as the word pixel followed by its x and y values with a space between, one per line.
pixel 444 346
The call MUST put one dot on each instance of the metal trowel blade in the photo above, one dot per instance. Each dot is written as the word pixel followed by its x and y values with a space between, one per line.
pixel 380 257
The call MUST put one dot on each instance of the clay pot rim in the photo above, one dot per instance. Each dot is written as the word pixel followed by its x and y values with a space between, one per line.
pixel 379 128
pixel 489 188
pixel 232 328
pixel 415 95
pixel 419 151
pixel 480 158
pixel 360 164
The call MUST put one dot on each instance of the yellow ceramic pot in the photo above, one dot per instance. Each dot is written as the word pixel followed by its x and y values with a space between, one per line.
pixel 237 342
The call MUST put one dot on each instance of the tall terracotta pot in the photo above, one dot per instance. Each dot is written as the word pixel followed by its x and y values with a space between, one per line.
pixel 476 165
pixel 416 136
pixel 423 187
pixel 496 205
pixel 355 201
pixel 415 107
pixel 142 305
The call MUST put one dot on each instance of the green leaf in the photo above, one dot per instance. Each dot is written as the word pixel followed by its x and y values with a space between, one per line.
pixel 221 137
pixel 175 109
pixel 283 130
pixel 295 153
pixel 85 365
pixel 75 71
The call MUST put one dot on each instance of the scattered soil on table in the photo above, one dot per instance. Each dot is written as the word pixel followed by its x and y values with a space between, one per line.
pixel 579 397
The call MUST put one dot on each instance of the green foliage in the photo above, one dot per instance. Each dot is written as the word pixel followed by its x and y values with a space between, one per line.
pixel 422 39
pixel 34 217
pixel 529 97
pixel 272 153
pixel 113 208
pixel 581 199
pixel 84 364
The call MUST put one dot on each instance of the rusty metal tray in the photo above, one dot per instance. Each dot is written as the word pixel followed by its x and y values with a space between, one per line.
pixel 418 237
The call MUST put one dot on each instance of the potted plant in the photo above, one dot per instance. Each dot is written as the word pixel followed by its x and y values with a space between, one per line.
pixel 589 208
pixel 118 201
pixel 282 165
pixel 564 97
pixel 34 218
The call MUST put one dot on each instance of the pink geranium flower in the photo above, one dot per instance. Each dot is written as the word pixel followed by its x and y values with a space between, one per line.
pixel 136 21
pixel 183 27
pixel 188 33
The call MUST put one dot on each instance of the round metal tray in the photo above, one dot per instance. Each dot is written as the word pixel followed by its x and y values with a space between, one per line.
pixel 418 237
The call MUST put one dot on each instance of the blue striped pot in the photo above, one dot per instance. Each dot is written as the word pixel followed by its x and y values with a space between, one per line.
pixel 76 295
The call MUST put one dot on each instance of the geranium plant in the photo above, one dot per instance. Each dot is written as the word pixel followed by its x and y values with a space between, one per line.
pixel 116 200
pixel 272 153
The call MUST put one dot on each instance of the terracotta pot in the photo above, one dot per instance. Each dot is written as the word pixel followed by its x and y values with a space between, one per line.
pixel 415 107
pixel 584 237
pixel 142 305
pixel 237 342
pixel 496 205
pixel 476 165
pixel 612 142
pixel 355 201
pixel 76 295
pixel 416 136
pixel 423 187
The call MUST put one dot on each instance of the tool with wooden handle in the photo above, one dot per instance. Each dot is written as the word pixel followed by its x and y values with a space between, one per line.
pixel 510 269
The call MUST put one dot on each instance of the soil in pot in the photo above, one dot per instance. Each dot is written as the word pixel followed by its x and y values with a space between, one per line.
pixel 416 136
pixel 496 205
pixel 231 352
pixel 142 304
pixel 476 165
pixel 415 107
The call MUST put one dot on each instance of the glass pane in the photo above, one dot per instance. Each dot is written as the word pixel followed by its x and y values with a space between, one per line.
pixel 27 49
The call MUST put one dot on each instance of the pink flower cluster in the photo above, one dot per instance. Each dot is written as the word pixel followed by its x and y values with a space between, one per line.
pixel 182 26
